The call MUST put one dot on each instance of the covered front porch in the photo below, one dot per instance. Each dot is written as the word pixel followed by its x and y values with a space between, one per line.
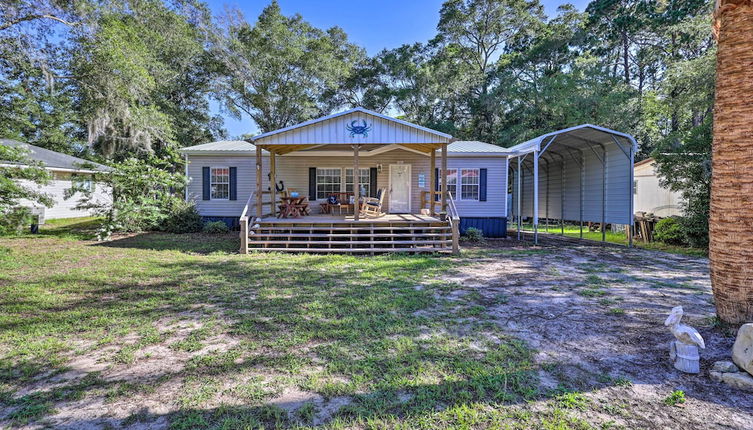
pixel 381 170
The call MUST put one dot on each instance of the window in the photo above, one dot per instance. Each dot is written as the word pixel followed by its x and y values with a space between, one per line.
pixel 364 180
pixel 219 183
pixel 83 182
pixel 452 182
pixel 327 181
pixel 469 184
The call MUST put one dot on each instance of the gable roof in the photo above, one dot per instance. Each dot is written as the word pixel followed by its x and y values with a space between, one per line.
pixel 575 136
pixel 54 160
pixel 327 130
pixel 220 147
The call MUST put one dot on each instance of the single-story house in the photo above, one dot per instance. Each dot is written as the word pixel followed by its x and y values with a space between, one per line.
pixel 650 195
pixel 429 186
pixel 66 170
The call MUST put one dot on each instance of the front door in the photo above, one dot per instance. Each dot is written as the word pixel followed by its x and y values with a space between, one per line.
pixel 400 183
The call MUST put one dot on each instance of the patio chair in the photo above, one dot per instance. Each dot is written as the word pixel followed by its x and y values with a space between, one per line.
pixel 372 206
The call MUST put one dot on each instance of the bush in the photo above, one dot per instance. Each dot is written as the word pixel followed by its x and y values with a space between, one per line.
pixel 182 218
pixel 670 231
pixel 14 220
pixel 473 234
pixel 215 227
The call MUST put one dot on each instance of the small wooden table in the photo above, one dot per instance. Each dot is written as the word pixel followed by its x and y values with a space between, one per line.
pixel 293 207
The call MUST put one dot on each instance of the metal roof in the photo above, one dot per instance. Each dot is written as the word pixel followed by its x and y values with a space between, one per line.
pixel 575 137
pixel 56 160
pixel 474 146
pixel 222 146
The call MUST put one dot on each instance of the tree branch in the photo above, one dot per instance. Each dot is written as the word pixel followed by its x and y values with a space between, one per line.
pixel 33 17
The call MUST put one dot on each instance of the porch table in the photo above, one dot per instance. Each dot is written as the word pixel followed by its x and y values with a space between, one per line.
pixel 293 207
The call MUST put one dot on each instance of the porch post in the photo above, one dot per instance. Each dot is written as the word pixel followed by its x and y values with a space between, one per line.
pixel 444 178
pixel 258 181
pixel 432 181
pixel 273 183
pixel 356 185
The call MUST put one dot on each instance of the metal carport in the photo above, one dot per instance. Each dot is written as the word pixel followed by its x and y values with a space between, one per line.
pixel 582 173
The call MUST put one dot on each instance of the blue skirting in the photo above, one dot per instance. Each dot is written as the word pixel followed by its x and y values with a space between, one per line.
pixel 233 222
pixel 491 226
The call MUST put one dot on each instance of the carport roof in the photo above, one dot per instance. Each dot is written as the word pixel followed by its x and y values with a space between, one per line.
pixel 578 137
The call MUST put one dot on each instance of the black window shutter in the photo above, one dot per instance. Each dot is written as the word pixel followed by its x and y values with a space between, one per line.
pixel 233 183
pixel 436 184
pixel 373 179
pixel 205 183
pixel 312 183
pixel 482 185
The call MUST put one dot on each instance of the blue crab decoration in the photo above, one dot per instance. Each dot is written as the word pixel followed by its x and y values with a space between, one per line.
pixel 358 129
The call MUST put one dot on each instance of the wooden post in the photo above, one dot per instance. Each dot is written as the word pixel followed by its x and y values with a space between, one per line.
pixel 244 235
pixel 432 181
pixel 273 184
pixel 444 178
pixel 356 185
pixel 258 182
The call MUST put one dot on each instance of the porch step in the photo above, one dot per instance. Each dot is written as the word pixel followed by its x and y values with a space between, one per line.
pixel 343 236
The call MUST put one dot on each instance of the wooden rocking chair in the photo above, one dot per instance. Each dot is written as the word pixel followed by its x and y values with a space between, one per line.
pixel 372 206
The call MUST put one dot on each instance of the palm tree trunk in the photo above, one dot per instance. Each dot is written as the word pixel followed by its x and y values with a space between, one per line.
pixel 731 217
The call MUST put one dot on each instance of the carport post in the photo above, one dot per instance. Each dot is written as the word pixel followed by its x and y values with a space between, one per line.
pixel 536 197
pixel 562 198
pixel 520 173
pixel 631 196
pixel 603 193
pixel 546 205
pixel 582 184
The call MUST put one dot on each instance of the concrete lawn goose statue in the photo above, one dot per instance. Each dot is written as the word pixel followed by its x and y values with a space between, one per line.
pixel 683 352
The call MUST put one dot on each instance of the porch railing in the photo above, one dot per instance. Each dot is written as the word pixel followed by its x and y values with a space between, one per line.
pixel 453 217
pixel 248 209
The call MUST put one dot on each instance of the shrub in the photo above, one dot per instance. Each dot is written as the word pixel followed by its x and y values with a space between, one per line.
pixel 216 227
pixel 13 220
pixel 670 231
pixel 182 218
pixel 473 234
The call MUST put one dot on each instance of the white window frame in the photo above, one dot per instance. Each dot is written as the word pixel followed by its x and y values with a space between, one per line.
pixel 342 179
pixel 477 184
pixel 455 195
pixel 361 181
pixel 83 181
pixel 212 183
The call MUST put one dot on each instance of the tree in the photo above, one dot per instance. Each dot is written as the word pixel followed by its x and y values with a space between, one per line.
pixel 20 179
pixel 282 70
pixel 731 215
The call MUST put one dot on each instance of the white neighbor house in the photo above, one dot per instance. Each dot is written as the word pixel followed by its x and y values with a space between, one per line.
pixel 65 170
pixel 650 196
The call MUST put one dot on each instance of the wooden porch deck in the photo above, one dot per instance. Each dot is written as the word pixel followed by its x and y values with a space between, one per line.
pixel 350 219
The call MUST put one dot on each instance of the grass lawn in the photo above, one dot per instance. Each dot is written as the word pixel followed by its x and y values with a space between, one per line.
pixel 571 230
pixel 179 331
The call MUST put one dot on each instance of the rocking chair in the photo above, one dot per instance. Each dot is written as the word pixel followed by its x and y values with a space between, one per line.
pixel 372 206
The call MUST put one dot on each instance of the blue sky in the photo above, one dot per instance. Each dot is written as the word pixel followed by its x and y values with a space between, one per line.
pixel 373 24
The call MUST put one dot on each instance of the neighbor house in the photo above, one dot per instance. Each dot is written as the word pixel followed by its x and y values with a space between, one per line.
pixel 66 171
pixel 316 159
pixel 650 195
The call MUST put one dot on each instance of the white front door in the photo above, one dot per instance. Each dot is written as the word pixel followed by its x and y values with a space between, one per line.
pixel 400 182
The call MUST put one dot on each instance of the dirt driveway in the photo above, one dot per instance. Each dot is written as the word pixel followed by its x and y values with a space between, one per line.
pixel 595 315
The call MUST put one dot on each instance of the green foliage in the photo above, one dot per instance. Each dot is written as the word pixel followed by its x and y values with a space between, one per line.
pixel 473 234
pixel 182 217
pixel 669 230
pixel 143 196
pixel 15 166
pixel 675 398
pixel 216 227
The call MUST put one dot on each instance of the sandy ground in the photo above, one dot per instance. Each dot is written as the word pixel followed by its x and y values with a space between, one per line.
pixel 590 342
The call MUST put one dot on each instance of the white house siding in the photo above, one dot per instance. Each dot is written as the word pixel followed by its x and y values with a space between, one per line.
pixel 335 130
pixel 246 166
pixel 293 170
pixel 650 196
pixel 66 208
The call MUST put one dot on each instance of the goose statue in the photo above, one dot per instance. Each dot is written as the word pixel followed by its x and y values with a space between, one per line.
pixel 683 352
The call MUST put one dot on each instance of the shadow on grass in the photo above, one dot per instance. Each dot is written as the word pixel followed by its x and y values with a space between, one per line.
pixel 198 243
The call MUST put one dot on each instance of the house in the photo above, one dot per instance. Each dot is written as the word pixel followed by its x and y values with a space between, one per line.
pixel 317 159
pixel 650 195
pixel 66 171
